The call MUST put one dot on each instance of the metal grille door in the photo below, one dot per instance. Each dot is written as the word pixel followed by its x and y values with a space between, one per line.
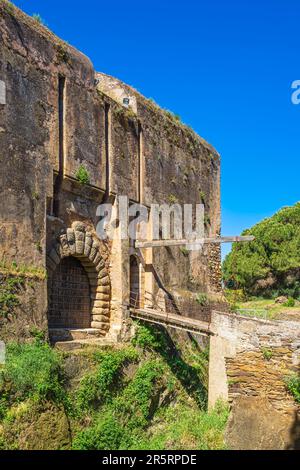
pixel 69 296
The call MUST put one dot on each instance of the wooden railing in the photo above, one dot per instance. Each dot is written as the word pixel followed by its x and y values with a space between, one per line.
pixel 198 320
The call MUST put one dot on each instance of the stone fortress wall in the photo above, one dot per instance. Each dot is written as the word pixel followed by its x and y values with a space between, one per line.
pixel 56 115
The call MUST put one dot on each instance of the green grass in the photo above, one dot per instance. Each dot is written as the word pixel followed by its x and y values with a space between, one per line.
pixel 9 300
pixel 25 270
pixel 151 394
pixel 105 434
pixel 32 370
pixel 194 429
pixel 265 309
pixel 131 420
pixel 121 422
pixel 293 386
pixel 97 388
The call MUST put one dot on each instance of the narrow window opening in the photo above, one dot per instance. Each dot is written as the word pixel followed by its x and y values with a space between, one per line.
pixel 61 112
pixel 107 149
pixel 61 132
pixel 49 205
pixel 140 189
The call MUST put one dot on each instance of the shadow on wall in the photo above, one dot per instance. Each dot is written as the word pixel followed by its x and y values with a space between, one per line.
pixel 188 375
pixel 295 433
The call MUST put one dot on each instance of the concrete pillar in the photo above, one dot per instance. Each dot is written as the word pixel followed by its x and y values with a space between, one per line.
pixel 222 345
pixel 149 278
pixel 119 277
pixel 217 379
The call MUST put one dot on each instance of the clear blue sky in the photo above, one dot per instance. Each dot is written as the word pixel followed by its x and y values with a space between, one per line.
pixel 225 67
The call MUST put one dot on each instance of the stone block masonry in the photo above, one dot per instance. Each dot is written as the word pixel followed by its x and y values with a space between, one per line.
pixel 250 361
pixel 58 117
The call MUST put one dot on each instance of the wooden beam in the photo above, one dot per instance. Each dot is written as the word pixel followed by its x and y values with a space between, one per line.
pixel 199 241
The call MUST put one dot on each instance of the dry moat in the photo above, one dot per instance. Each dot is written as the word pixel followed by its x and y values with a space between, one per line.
pixel 83 368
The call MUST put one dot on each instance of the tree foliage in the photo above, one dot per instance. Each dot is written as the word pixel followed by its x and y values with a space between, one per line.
pixel 271 263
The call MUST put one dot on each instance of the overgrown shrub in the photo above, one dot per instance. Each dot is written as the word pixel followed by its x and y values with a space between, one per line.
pixel 290 302
pixel 97 388
pixel 106 434
pixel 235 295
pixel 187 428
pixel 293 385
pixel 120 403
pixel 201 299
pixel 37 17
pixel 133 406
pixel 82 175
pixel 149 337
pixel 122 420
pixel 32 370
pixel 192 377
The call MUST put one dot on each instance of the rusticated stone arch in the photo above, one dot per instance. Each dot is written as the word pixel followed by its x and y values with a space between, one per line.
pixel 80 243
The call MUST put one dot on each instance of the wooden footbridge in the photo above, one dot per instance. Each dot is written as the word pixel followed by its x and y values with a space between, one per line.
pixel 166 317
pixel 171 320
pixel 169 312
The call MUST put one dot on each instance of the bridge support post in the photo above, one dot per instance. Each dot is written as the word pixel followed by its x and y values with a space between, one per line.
pixel 221 346
pixel 217 379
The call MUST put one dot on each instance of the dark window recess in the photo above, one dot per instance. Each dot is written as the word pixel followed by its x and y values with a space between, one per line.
pixel 107 161
pixel 61 132
pixel 49 207
pixel 61 112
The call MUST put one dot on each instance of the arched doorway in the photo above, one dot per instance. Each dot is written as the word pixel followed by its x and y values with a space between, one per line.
pixel 69 296
pixel 82 245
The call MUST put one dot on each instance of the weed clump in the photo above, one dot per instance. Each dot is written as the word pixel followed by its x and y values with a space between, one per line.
pixel 82 175
pixel 129 398
pixel 293 385
pixel 37 17
pixel 32 370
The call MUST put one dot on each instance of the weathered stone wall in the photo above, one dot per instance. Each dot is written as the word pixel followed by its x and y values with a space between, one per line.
pixel 23 301
pixel 178 166
pixel 250 360
pixel 137 150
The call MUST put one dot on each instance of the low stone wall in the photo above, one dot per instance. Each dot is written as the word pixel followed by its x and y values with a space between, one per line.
pixel 250 360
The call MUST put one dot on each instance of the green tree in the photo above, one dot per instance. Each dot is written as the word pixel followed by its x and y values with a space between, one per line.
pixel 274 256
